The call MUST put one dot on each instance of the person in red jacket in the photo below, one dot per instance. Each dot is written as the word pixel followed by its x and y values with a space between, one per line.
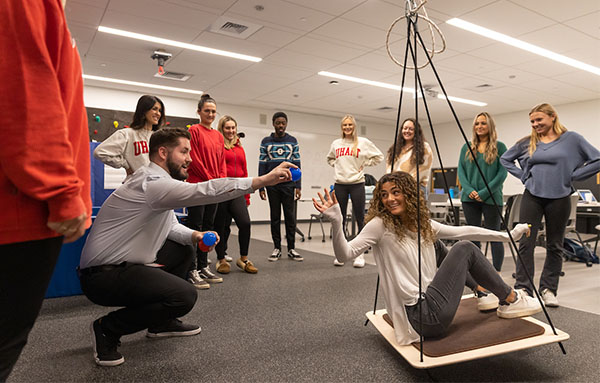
pixel 45 195
pixel 235 159
pixel 208 162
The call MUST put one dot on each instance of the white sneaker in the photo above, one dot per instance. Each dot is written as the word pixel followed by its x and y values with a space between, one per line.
pixel 486 301
pixel 549 298
pixel 359 262
pixel 228 258
pixel 337 263
pixel 523 306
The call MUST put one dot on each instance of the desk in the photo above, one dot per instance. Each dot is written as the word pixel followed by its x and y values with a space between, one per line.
pixel 588 216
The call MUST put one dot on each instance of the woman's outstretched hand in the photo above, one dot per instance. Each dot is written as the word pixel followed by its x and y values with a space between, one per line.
pixel 327 201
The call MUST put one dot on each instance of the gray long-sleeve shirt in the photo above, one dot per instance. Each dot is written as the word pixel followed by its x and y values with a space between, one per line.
pixel 138 217
pixel 551 170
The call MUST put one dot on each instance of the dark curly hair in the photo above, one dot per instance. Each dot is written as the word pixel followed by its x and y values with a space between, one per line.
pixel 408 186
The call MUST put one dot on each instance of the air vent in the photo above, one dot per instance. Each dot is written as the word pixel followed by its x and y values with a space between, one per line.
pixel 230 27
pixel 480 88
pixel 234 28
pixel 174 76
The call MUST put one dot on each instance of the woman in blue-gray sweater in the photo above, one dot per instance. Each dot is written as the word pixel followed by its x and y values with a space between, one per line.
pixel 550 159
pixel 476 199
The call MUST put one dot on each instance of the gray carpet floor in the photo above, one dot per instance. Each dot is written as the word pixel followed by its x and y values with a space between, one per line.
pixel 291 322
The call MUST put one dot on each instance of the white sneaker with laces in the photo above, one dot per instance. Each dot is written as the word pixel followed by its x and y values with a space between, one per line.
pixel 337 263
pixel 549 298
pixel 524 305
pixel 359 262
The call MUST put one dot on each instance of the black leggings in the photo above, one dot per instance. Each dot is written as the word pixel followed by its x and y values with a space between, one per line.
pixel 556 213
pixel 24 277
pixel 201 218
pixel 236 209
pixel 357 194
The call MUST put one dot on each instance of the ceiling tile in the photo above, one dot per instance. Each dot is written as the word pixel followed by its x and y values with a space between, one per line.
pixel 333 7
pixel 315 47
pixel 353 32
pixel 589 24
pixel 559 10
pixel 559 39
pixel 508 18
pixel 282 13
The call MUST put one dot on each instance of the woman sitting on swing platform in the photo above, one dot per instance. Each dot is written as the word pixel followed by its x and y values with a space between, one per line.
pixel 391 231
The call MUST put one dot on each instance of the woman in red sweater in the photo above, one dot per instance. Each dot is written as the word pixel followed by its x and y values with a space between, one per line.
pixel 235 159
pixel 208 162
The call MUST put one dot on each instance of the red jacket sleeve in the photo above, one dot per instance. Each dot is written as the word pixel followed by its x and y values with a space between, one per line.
pixel 36 154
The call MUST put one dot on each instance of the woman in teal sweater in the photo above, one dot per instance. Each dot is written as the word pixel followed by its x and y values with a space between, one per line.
pixel 476 199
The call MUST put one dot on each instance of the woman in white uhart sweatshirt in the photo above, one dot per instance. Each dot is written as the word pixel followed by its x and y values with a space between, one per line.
pixel 349 156
pixel 128 147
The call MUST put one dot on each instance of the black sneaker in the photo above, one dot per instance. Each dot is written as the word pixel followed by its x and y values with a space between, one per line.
pixel 173 327
pixel 208 276
pixel 294 255
pixel 274 257
pixel 105 347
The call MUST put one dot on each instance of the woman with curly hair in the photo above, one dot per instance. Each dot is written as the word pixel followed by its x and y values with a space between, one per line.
pixel 392 230
pixel 403 156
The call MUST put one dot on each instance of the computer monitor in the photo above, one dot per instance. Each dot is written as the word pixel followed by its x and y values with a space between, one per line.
pixel 586 195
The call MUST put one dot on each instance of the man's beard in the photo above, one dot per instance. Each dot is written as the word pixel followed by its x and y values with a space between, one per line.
pixel 177 172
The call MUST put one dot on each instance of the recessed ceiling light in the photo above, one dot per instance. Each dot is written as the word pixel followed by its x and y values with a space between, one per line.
pixel 179 44
pixel 141 84
pixel 334 82
pixel 522 45
pixel 395 87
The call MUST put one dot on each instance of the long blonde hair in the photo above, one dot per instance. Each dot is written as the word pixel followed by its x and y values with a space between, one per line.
pixel 557 127
pixel 354 135
pixel 408 186
pixel 491 148
pixel 229 143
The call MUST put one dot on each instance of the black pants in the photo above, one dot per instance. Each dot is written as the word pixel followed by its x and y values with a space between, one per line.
pixel 282 196
pixel 150 296
pixel 201 218
pixel 443 295
pixel 491 220
pixel 556 213
pixel 24 277
pixel 236 209
pixel 357 193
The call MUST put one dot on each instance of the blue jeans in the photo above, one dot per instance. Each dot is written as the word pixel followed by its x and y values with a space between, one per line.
pixel 491 220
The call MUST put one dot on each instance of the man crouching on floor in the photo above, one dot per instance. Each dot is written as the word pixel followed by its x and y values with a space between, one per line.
pixel 137 254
